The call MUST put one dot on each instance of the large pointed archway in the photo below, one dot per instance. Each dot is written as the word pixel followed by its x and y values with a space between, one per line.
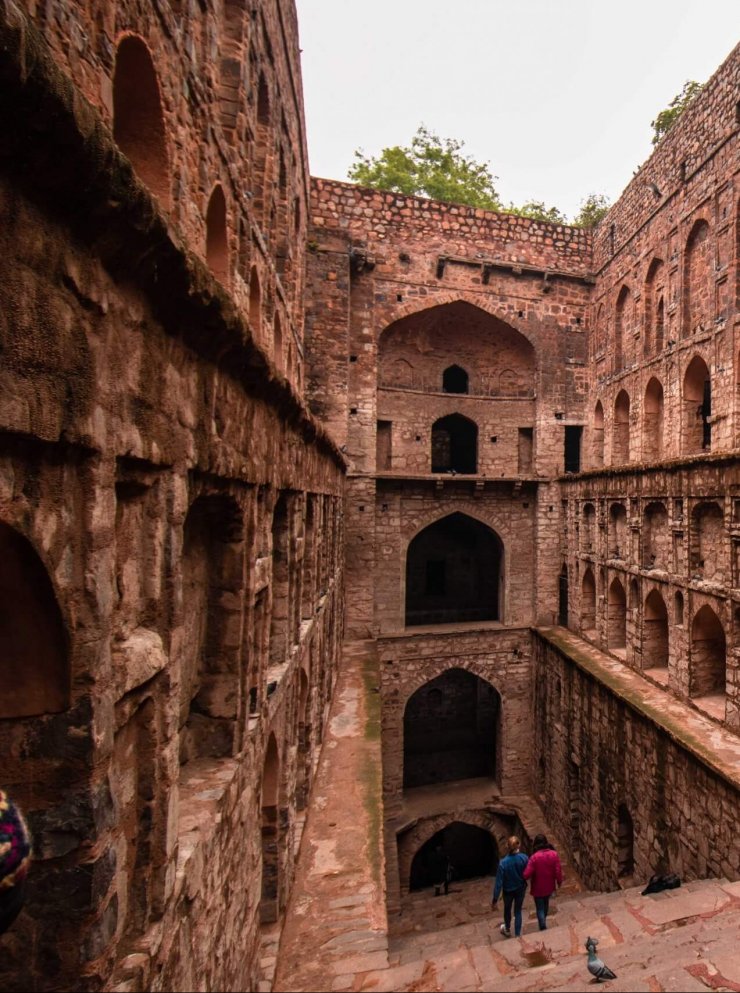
pixel 454 569
pixel 451 730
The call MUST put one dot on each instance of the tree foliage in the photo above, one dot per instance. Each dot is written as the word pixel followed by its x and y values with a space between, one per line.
pixel 429 167
pixel 436 167
pixel 668 117
pixel 592 209
pixel 537 211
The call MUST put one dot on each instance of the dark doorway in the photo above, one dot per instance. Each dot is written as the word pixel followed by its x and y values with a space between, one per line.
pixel 573 434
pixel 563 597
pixel 455 380
pixel 450 730
pixel 454 445
pixel 471 851
pixel 453 572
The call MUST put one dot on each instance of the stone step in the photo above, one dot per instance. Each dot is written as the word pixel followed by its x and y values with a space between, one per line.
pixel 667 941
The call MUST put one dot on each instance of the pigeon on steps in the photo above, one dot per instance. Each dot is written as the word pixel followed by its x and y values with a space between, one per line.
pixel 596 967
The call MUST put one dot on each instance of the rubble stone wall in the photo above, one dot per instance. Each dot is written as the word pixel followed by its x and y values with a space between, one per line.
pixel 171 516
pixel 595 752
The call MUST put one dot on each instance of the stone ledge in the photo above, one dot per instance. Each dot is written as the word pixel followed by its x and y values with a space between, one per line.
pixel 713 746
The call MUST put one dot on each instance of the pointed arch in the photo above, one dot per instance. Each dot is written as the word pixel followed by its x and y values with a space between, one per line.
pixel 697 407
pixel 698 281
pixel 655 641
pixel 622 327
pixel 217 239
pixel 598 436
pixel 455 380
pixel 652 424
pixel 621 429
pixel 588 602
pixel 454 572
pixel 653 308
pixel 455 445
pixel 708 661
pixel 138 121
pixel 617 618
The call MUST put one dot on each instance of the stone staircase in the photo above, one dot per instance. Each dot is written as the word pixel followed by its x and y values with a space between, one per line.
pixel 685 939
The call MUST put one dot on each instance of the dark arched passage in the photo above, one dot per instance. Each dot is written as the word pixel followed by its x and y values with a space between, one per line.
pixel 450 730
pixel 455 445
pixel 455 380
pixel 453 573
pixel 470 850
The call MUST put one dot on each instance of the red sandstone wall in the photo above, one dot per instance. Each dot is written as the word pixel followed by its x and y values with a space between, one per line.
pixel 177 512
pixel 380 263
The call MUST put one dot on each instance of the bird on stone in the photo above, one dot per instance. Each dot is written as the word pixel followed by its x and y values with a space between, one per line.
pixel 596 967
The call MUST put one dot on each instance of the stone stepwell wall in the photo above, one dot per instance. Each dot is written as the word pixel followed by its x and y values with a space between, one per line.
pixel 603 750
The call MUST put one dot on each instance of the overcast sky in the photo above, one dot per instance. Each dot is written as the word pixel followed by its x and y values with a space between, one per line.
pixel 557 95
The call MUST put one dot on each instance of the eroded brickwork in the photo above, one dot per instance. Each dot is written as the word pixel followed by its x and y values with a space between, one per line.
pixel 171 512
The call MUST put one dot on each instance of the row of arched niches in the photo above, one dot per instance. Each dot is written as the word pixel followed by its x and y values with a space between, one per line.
pixel 242 204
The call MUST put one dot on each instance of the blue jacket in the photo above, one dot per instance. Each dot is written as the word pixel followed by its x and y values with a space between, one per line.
pixel 510 874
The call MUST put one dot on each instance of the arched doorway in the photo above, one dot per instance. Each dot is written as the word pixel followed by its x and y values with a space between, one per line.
pixel 471 850
pixel 453 573
pixel 598 436
pixel 451 730
pixel 455 380
pixel 708 672
pixel 652 426
pixel 697 407
pixel 588 602
pixel 617 619
pixel 563 597
pixel 455 445
pixel 621 429
pixel 655 633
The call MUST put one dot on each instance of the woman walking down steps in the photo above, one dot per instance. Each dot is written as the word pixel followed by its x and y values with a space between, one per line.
pixel 510 880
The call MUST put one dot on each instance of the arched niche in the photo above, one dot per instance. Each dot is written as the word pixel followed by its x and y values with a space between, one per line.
pixel 138 122
pixel 617 618
pixel 304 740
pixel 454 573
pixel 698 280
pixel 455 380
pixel 656 537
pixel 621 429
pixel 463 335
pixel 470 849
pixel 708 661
pixel 455 445
pixel 652 424
pixel 212 586
pixel 255 303
pixel 655 643
pixel 598 436
pixel 35 652
pixel 618 531
pixel 623 321
pixel 588 602
pixel 588 529
pixel 451 730
pixel 277 344
pixel 697 407
pixel 708 542
pixel 217 242
pixel 654 310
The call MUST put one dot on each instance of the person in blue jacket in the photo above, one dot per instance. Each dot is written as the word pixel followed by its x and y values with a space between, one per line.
pixel 510 880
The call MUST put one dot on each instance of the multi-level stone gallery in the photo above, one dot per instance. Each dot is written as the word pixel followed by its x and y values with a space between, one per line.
pixel 339 525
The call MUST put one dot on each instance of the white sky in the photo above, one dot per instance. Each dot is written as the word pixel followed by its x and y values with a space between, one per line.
pixel 557 95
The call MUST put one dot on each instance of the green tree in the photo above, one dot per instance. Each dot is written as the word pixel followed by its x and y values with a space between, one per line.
pixel 593 208
pixel 429 167
pixel 668 117
pixel 537 211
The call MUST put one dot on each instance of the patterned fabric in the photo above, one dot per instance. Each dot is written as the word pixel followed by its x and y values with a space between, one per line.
pixel 15 844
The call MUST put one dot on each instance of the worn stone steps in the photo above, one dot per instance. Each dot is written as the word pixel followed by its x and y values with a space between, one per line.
pixel 683 939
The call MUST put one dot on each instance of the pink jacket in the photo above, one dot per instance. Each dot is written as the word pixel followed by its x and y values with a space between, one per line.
pixel 545 871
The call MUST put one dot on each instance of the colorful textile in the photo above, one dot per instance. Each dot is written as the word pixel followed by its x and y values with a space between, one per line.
pixel 15 844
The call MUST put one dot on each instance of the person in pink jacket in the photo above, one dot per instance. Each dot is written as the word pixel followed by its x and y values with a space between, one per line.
pixel 546 874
